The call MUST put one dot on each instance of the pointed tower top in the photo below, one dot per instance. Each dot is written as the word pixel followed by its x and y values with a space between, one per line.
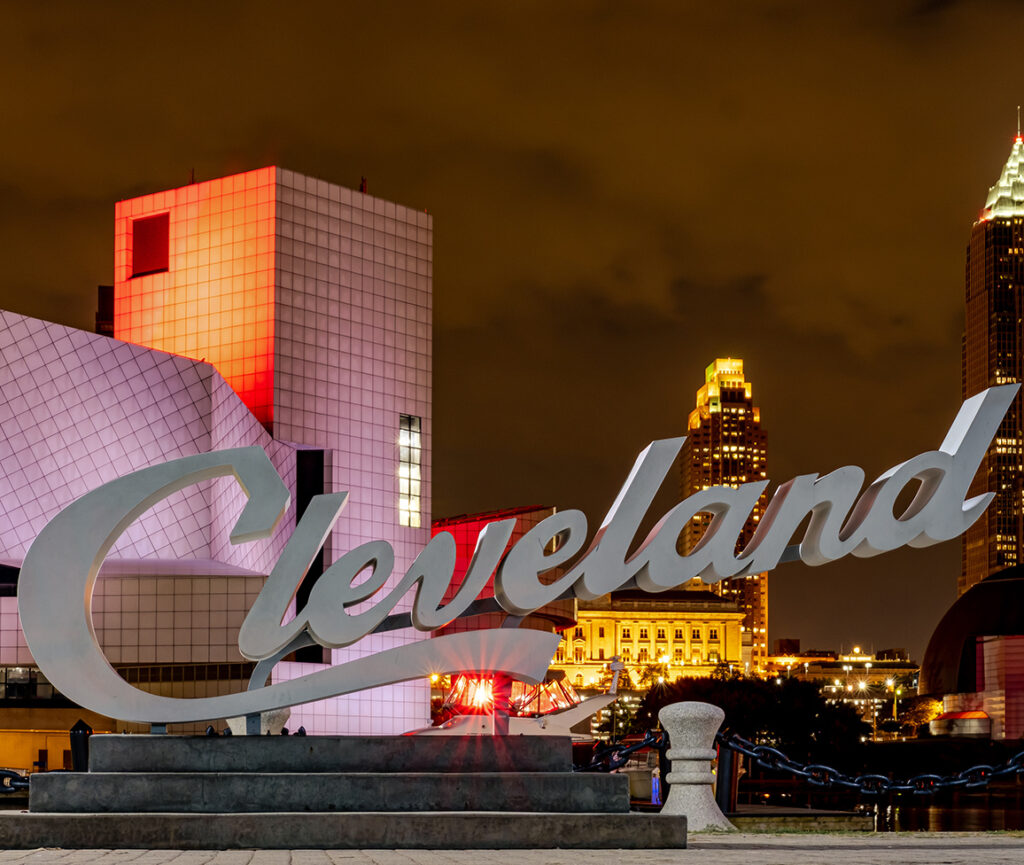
pixel 1006 198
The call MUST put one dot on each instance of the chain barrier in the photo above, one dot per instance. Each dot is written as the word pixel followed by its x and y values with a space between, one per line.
pixel 870 784
pixel 606 758
pixel 12 782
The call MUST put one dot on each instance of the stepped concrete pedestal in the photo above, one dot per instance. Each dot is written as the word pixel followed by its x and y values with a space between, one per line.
pixel 445 792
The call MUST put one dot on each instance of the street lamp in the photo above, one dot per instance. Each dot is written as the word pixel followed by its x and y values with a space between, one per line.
pixel 891 684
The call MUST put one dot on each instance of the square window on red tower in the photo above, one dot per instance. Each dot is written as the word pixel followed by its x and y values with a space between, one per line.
pixel 150 244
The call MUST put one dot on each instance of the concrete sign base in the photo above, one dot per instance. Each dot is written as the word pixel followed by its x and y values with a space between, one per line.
pixel 473 792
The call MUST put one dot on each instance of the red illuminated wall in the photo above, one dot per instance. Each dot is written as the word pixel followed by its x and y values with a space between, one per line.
pixel 215 299
pixel 465 530
pixel 1000 672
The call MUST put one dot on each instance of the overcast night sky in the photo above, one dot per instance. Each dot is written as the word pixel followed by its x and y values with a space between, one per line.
pixel 621 192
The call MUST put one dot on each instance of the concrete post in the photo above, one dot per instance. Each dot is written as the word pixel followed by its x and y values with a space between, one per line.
pixel 691 731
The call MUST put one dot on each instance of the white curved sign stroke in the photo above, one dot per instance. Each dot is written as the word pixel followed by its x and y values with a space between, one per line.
pixel 64 561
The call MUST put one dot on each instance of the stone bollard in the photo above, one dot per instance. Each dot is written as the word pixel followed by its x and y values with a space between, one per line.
pixel 691 731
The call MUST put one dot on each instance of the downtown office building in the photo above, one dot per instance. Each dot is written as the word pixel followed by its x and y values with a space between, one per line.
pixel 726 446
pixel 269 309
pixel 992 355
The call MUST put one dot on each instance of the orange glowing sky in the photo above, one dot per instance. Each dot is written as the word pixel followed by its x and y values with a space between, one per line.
pixel 620 192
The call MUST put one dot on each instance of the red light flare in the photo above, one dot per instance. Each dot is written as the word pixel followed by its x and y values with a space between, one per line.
pixel 473 694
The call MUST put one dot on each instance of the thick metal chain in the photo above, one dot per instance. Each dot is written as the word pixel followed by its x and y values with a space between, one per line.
pixel 608 757
pixel 12 782
pixel 870 785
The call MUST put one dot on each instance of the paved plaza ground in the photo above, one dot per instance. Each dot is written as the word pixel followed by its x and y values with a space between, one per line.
pixel 947 848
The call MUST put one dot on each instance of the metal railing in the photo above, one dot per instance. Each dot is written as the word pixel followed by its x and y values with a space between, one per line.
pixel 871 784
pixel 609 757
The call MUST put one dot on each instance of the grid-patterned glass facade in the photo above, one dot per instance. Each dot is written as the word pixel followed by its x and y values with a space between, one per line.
pixel 264 309
pixel 201 282
pixel 726 446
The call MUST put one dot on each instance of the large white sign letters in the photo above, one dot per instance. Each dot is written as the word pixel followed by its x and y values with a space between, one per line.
pixel 60 570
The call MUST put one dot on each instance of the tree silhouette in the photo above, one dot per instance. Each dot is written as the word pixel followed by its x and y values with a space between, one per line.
pixel 649 675
pixel 625 680
pixel 919 712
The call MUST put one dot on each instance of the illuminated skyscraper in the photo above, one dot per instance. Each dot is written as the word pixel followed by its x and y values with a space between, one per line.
pixel 991 356
pixel 725 446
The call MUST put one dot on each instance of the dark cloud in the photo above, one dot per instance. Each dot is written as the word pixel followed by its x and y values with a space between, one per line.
pixel 620 192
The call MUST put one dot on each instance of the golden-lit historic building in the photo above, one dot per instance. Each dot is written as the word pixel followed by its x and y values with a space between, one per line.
pixel 689 633
pixel 726 446
pixel 991 356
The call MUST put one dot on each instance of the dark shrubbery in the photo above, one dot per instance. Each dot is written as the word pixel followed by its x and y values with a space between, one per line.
pixel 792 715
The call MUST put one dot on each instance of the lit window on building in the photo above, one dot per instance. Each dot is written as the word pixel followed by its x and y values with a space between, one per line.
pixel 679 633
pixel 661 633
pixel 626 634
pixel 643 633
pixel 695 634
pixel 578 655
pixel 626 655
pixel 641 656
pixel 678 656
pixel 600 633
pixel 713 633
pixel 409 451
pixel 600 654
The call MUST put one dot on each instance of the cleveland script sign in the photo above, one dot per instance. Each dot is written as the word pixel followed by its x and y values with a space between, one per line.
pixel 60 570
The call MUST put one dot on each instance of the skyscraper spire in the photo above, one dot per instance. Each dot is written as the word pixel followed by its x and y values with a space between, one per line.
pixel 725 445
pixel 1006 197
pixel 993 354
